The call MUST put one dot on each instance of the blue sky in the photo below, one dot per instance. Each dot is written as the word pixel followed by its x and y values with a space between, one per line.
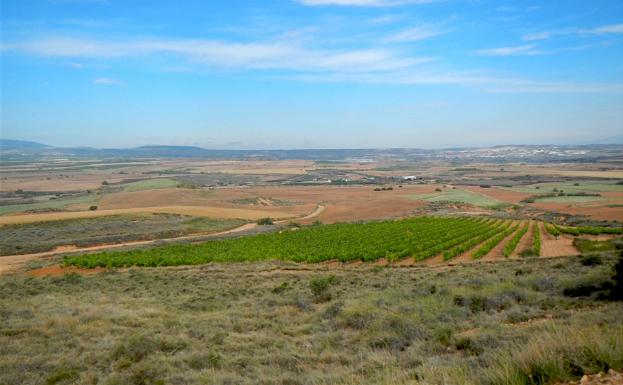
pixel 312 73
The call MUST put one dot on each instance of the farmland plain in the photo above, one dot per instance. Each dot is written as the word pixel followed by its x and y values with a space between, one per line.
pixel 299 271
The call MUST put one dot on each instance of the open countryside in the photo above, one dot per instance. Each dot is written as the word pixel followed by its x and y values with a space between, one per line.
pixel 311 192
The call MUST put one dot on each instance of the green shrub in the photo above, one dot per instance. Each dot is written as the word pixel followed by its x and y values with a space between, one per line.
pixel 320 287
pixel 589 245
pixel 69 375
pixel 92 208
pixel 617 278
pixel 591 260
pixel 265 221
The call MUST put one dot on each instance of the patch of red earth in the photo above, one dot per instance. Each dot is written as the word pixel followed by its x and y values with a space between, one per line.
pixel 552 246
pixel 408 261
pixel 381 262
pixel 332 263
pixel 433 261
pixel 357 262
pixel 58 270
pixel 525 243
pixel 600 211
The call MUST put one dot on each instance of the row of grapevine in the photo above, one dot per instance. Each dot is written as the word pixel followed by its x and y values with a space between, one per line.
pixel 512 244
pixel 536 239
pixel 420 237
pixel 490 244
pixel 552 229
pixel 472 240
pixel 593 230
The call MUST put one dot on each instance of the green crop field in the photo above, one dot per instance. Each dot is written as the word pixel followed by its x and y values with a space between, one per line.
pixel 569 199
pixel 459 196
pixel 569 187
pixel 150 184
pixel 421 238
pixel 60 203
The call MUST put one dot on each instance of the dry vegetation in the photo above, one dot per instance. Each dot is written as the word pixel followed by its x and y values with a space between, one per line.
pixel 281 323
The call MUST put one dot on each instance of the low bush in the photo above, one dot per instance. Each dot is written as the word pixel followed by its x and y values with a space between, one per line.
pixel 320 287
pixel 591 260
pixel 265 221
pixel 617 277
pixel 588 245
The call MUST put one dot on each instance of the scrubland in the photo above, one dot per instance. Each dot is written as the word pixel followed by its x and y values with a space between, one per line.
pixel 523 321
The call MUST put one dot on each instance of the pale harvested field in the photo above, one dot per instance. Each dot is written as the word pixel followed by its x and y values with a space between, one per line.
pixel 213 212
pixel 348 203
pixel 219 198
pixel 499 194
pixel 568 170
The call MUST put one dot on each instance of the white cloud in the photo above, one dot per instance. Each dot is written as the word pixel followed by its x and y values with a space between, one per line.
pixel 536 36
pixel 614 28
pixel 364 3
pixel 508 51
pixel 417 33
pixel 602 30
pixel 109 81
pixel 474 79
pixel 224 54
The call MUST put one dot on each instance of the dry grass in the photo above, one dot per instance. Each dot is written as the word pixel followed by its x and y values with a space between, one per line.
pixel 284 323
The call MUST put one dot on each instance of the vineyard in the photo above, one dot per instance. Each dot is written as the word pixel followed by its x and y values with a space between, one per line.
pixel 414 239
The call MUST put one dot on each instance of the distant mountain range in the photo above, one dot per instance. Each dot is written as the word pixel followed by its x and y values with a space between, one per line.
pixel 18 149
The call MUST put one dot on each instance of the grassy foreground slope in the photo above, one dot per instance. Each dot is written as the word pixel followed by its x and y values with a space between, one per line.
pixel 282 323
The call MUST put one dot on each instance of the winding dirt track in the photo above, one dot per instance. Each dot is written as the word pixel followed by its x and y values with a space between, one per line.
pixel 13 262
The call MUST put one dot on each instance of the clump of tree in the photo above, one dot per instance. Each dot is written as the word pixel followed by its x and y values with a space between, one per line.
pixel 92 208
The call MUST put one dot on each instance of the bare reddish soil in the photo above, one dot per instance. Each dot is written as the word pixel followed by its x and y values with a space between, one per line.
pixel 556 246
pixel 57 270
pixel 525 242
pixel 601 210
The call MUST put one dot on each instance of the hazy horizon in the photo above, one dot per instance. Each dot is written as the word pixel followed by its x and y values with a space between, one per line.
pixel 296 74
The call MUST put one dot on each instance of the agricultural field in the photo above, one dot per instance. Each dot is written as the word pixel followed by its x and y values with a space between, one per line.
pixel 401 241
pixel 44 236
pixel 460 196
pixel 363 277
pixel 51 204
pixel 149 184
pixel 417 238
